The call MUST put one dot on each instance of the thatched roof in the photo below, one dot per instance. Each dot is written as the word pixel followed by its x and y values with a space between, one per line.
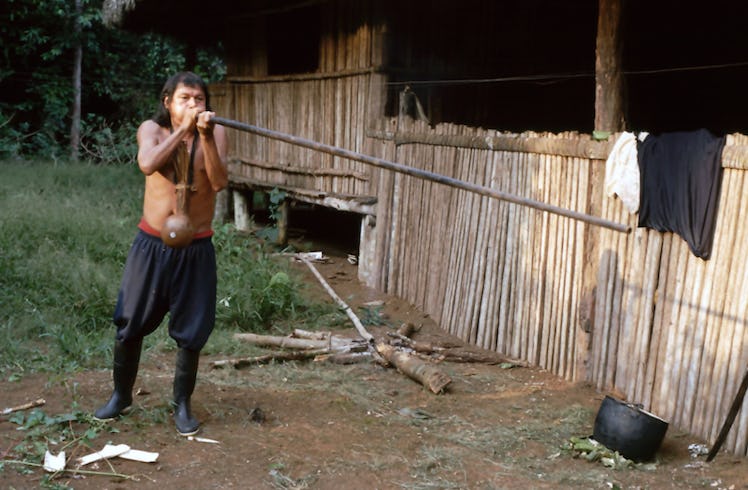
pixel 177 18
pixel 113 11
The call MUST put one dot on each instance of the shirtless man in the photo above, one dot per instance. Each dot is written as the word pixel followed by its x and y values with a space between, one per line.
pixel 157 278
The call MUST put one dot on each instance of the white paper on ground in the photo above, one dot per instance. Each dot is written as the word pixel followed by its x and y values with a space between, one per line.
pixel 54 463
pixel 202 439
pixel 109 451
pixel 138 455
pixel 311 255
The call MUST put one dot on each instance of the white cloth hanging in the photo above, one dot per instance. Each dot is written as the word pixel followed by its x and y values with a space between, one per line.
pixel 622 172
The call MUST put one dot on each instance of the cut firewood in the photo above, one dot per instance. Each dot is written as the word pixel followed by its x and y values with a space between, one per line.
pixel 281 341
pixel 447 351
pixel 267 358
pixel 427 374
pixel 306 334
pixel 332 344
pixel 344 357
pixel 420 346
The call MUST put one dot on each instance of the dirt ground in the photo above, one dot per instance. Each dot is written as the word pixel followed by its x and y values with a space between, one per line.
pixel 317 425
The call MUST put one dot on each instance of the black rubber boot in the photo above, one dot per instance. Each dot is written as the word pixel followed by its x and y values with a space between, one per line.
pixel 184 384
pixel 124 372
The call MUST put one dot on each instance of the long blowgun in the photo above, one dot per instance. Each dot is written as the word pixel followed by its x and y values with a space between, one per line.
pixel 423 174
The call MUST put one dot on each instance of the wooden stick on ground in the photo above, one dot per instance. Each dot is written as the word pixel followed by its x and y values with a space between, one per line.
pixel 736 404
pixel 427 374
pixel 25 406
pixel 356 322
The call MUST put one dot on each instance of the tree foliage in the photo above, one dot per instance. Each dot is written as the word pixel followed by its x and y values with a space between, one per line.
pixel 122 75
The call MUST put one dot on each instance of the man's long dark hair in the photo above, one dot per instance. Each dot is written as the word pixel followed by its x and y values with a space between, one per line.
pixel 189 79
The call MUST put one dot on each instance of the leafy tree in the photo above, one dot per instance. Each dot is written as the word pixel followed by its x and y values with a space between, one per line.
pixel 122 75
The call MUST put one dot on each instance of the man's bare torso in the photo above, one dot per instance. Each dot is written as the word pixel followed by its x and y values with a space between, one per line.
pixel 160 195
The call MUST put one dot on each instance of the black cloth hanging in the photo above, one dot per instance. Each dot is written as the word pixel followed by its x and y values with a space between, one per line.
pixel 681 177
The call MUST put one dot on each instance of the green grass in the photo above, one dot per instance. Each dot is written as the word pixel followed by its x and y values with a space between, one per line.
pixel 66 231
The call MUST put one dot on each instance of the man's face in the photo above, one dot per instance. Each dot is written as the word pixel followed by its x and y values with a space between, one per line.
pixel 185 100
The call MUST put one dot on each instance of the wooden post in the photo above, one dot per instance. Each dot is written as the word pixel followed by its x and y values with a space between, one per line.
pixel 367 249
pixel 241 211
pixel 608 73
pixel 221 212
pixel 608 117
pixel 282 223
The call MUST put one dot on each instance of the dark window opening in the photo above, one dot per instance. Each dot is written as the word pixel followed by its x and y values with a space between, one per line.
pixel 293 40
pixel 312 227
pixel 686 68
pixel 319 228
pixel 509 66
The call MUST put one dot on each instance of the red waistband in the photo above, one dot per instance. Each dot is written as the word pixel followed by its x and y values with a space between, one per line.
pixel 145 227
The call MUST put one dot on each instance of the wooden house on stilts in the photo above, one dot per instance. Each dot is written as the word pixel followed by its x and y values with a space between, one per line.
pixel 526 98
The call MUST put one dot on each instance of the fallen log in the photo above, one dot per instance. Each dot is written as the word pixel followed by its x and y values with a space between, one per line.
pixel 427 374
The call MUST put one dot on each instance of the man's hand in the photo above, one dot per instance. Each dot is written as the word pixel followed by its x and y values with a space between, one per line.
pixel 189 119
pixel 205 124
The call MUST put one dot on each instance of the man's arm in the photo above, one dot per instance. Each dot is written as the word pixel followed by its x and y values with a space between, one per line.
pixel 214 142
pixel 152 154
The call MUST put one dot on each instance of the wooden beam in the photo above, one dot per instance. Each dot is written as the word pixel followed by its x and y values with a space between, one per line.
pixel 608 118
pixel 302 77
pixel 581 146
pixel 301 170
pixel 366 205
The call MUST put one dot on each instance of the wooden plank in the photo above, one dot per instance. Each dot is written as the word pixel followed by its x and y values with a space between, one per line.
pixel 632 296
pixel 730 359
pixel 645 337
pixel 669 384
pixel 723 253
pixel 487 323
pixel 582 337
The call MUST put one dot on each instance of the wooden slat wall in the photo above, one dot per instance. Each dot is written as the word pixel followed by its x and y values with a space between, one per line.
pixel 298 107
pixel 669 328
pixel 328 106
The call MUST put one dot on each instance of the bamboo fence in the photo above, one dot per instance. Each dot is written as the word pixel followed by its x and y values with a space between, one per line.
pixel 669 328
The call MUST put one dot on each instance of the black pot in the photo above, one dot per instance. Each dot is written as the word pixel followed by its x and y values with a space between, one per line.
pixel 633 432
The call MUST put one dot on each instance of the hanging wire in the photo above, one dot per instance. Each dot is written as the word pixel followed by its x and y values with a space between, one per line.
pixel 560 76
